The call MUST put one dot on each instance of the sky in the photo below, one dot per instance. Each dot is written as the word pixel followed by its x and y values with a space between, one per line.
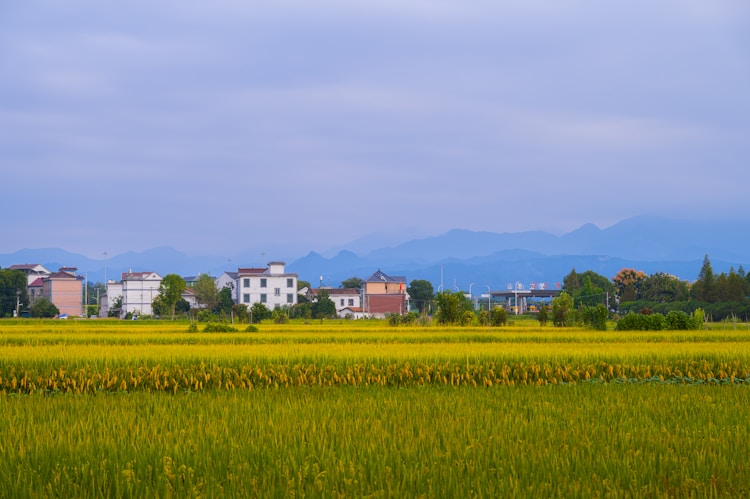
pixel 214 127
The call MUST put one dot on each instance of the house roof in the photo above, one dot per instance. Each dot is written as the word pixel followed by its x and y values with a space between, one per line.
pixel 36 283
pixel 337 291
pixel 62 275
pixel 251 271
pixel 353 309
pixel 37 267
pixel 137 276
pixel 381 276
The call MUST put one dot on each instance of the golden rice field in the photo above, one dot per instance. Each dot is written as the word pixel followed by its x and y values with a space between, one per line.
pixel 358 408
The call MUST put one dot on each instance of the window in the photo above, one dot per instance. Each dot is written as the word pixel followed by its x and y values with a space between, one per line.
pixel 290 298
pixel 351 302
pixel 263 282
pixel 342 302
pixel 263 298
pixel 277 291
pixel 246 282
pixel 246 298
pixel 290 282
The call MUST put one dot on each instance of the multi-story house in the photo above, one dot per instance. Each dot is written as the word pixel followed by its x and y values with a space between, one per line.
pixel 138 292
pixel 383 294
pixel 64 289
pixel 33 271
pixel 270 286
pixel 110 299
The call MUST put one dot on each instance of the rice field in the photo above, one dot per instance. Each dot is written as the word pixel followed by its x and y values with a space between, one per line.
pixel 131 409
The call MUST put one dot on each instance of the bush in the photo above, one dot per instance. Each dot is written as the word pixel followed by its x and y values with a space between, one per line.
pixel 498 316
pixel 43 308
pixel 678 320
pixel 595 316
pixel 213 327
pixel 251 329
pixel 279 316
pixel 641 322
pixel 193 328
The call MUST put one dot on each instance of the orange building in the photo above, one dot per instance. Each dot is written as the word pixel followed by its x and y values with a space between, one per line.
pixel 384 294
pixel 64 290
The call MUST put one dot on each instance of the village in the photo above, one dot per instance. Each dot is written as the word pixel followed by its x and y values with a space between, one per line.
pixel 134 293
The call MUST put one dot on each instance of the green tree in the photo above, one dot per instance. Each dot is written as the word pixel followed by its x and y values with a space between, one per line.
pixel 451 307
pixel 259 312
pixel 421 294
pixel 43 308
pixel 498 316
pixel 352 283
pixel 562 310
pixel 589 294
pixel 241 313
pixel 225 301
pixel 703 287
pixel 571 282
pixel 206 292
pixel 595 316
pixel 323 307
pixel 12 291
pixel 170 292
pixel 663 288
pixel 542 316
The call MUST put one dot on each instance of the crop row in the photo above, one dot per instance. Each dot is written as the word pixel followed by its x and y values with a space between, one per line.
pixel 202 377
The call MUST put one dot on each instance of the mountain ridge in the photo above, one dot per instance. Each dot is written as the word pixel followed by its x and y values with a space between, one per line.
pixel 651 244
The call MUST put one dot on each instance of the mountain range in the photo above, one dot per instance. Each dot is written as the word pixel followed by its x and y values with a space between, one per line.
pixel 458 258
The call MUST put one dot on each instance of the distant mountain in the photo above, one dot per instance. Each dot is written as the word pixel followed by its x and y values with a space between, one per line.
pixel 460 257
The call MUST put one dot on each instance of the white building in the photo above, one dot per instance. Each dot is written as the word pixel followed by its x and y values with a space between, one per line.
pixel 270 286
pixel 138 292
pixel 346 300
pixel 33 271
pixel 110 298
pixel 227 280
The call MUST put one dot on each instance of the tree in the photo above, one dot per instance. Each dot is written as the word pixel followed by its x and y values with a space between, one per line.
pixel 451 307
pixel 259 312
pixel 420 294
pixel 116 308
pixel 323 306
pixel 562 310
pixel 571 282
pixel 663 288
pixel 170 292
pixel 595 316
pixel 43 308
pixel 627 284
pixel 225 301
pixel 12 291
pixel 498 316
pixel 703 287
pixel 588 294
pixel 206 292
pixel 352 283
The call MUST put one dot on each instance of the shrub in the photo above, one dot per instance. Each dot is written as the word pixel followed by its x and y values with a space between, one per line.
pixel 251 329
pixel 214 327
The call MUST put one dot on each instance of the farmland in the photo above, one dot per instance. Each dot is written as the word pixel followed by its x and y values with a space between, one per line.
pixel 358 408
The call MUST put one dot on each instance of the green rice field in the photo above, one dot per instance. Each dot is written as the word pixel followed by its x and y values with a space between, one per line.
pixel 359 408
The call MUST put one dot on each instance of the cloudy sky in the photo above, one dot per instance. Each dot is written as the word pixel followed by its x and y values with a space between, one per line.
pixel 214 127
